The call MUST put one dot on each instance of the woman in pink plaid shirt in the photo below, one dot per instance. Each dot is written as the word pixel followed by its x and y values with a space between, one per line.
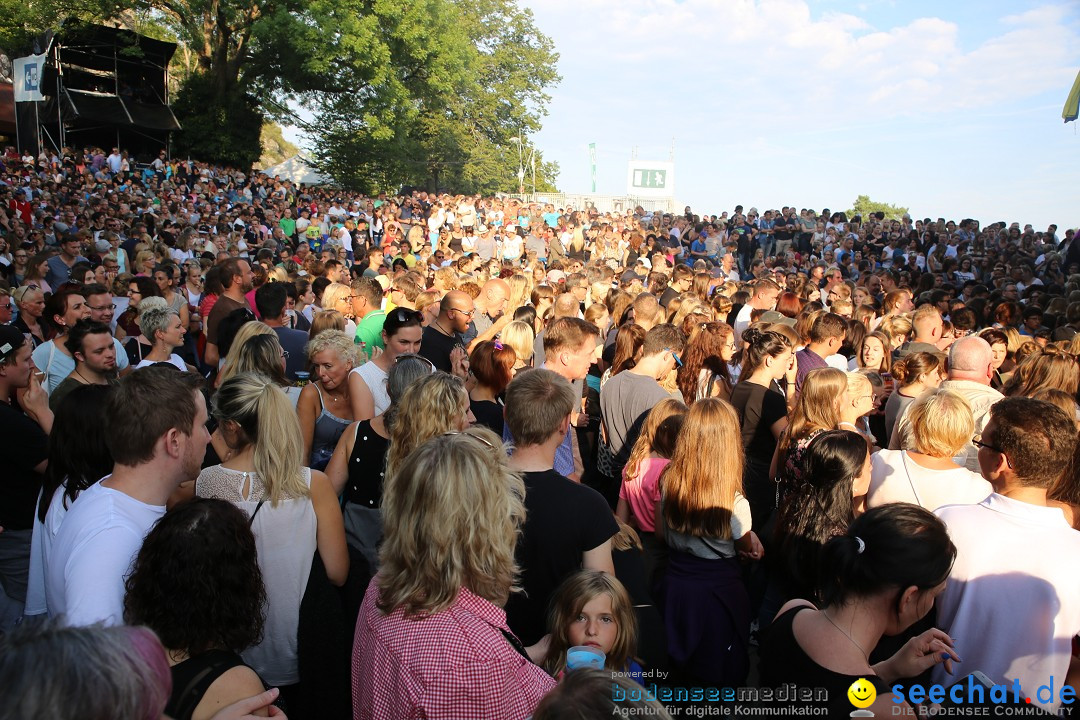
pixel 432 639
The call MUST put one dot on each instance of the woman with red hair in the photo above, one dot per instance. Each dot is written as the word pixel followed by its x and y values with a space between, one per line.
pixel 492 366
pixel 789 304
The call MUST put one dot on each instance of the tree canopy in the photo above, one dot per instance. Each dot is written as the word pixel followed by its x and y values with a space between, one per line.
pixel 422 92
pixel 864 206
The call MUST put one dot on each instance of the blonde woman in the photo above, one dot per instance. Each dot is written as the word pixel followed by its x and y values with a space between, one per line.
pixel 938 426
pixel 857 403
pixel 897 328
pixel 520 290
pixel 338 296
pixel 259 351
pixel 705 521
pixel 324 320
pixel 324 407
pixel 456 498
pixel 144 263
pixel 519 336
pixel 436 404
pixel 294 511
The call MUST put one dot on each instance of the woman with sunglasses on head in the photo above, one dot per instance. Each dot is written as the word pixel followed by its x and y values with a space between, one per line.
pixel 30 300
pixel 401 334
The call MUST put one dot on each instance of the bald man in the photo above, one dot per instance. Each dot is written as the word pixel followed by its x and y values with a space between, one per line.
pixel 491 304
pixel 442 336
pixel 971 365
pixel 565 305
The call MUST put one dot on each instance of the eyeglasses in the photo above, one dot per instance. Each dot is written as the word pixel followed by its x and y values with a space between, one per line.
pixel 102 307
pixel 466 313
pixel 674 356
pixel 978 442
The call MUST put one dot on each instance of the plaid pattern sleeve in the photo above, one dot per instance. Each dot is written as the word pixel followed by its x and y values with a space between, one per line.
pixel 453 664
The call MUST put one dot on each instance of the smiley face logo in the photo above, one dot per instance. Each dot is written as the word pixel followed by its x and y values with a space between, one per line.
pixel 862 693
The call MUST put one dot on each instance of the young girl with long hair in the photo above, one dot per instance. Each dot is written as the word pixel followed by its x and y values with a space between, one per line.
pixel 593 609
pixel 816 410
pixel 704 372
pixel 705 521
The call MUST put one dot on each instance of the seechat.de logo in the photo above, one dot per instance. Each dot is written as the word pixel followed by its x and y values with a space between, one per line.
pixel 862 695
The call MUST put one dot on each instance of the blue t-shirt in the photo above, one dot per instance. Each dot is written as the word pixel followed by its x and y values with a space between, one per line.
pixel 552 219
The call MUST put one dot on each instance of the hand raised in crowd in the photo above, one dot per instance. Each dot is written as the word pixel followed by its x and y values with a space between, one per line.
pixel 35 401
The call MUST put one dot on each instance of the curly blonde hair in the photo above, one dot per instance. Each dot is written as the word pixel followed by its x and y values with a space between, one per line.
pixel 431 406
pixel 451 515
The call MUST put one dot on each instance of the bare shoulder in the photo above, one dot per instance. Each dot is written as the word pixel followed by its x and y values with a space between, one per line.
pixel 234 684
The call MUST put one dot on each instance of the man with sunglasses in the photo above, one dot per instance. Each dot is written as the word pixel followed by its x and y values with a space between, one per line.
pixel 1013 597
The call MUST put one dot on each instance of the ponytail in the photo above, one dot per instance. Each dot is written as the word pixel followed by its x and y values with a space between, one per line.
pixel 268 420
pixel 893 546
pixel 279 451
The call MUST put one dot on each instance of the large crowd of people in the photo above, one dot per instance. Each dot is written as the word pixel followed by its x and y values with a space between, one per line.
pixel 274 449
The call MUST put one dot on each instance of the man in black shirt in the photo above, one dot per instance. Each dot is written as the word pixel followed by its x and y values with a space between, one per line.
pixel 568 526
pixel 442 342
pixel 26 421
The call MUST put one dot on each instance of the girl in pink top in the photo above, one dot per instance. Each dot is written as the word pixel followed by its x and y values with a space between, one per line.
pixel 640 490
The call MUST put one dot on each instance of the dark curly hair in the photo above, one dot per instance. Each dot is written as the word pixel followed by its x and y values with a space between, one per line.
pixel 196 581
pixel 78 455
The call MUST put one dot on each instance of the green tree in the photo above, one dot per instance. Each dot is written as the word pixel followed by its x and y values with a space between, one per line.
pixel 455 119
pixel 275 148
pixel 864 206
pixel 406 91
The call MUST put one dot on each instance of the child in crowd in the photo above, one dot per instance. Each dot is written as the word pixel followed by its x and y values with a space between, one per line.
pixel 592 608
pixel 650 455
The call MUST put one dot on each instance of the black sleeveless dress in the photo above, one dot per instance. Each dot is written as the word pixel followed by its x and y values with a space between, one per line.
pixel 193 677
pixel 783 661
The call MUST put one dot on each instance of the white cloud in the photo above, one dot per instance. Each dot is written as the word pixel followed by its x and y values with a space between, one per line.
pixel 834 64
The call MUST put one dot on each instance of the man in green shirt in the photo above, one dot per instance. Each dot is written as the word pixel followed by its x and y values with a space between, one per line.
pixel 288 224
pixel 367 295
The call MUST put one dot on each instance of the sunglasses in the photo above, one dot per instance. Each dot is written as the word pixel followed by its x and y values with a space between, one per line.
pixel 474 437
pixel 416 356
pixel 675 357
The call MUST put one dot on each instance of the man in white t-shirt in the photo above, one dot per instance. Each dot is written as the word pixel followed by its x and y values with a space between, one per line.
pixel 765 295
pixel 1012 599
pixel 156 419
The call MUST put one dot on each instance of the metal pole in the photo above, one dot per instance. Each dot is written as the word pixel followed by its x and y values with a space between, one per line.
pixel 59 98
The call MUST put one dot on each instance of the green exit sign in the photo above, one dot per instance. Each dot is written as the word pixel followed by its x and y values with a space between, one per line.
pixel 652 179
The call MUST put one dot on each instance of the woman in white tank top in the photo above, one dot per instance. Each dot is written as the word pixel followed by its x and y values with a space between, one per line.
pixel 293 510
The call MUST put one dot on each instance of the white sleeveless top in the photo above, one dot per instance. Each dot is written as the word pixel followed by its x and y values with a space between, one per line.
pixel 374 377
pixel 285 538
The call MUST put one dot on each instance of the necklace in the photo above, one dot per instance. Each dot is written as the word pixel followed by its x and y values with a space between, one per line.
pixel 848 636
pixel 442 330
pixel 83 378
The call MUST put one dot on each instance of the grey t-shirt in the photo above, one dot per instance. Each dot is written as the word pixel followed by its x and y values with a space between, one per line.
pixel 624 402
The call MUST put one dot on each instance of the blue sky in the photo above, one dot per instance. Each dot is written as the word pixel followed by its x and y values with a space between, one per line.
pixel 952 109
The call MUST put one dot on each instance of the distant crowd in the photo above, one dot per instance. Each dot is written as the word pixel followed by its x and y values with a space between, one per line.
pixel 276 449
